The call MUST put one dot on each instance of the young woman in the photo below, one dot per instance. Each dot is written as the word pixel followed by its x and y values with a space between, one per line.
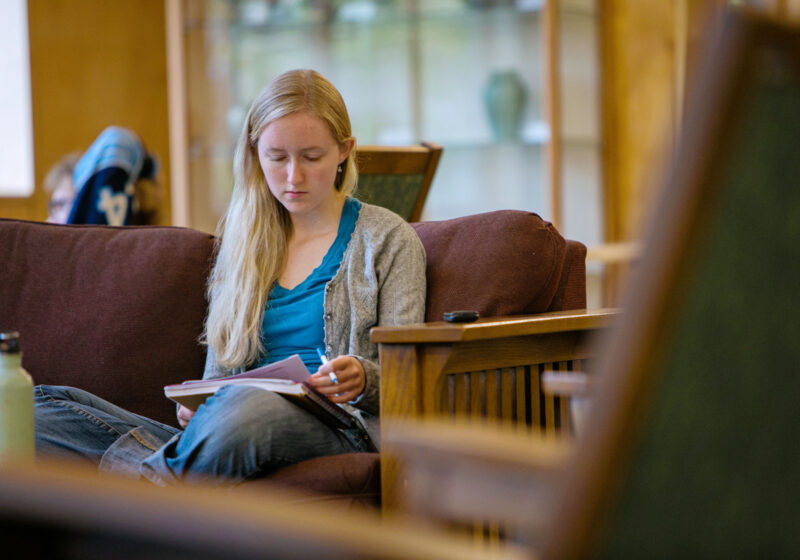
pixel 300 266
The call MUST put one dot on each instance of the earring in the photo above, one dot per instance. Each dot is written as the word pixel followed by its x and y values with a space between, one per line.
pixel 339 169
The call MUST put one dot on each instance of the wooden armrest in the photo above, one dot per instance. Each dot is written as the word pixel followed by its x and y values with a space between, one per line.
pixel 575 385
pixel 496 327
pixel 494 445
pixel 488 368
pixel 567 383
pixel 613 253
pixel 466 471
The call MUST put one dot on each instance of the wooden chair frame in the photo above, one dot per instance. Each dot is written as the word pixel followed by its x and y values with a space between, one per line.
pixel 489 370
pixel 422 159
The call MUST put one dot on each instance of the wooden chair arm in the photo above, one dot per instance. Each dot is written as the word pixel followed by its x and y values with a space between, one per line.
pixel 578 387
pixel 486 369
pixel 465 471
pixel 495 446
pixel 567 384
pixel 495 327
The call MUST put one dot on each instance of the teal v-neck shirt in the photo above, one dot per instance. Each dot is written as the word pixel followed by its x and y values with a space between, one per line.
pixel 294 319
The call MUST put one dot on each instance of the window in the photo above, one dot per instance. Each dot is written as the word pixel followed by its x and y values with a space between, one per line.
pixel 16 126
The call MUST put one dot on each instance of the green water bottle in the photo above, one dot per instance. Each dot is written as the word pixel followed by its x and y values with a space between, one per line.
pixel 16 402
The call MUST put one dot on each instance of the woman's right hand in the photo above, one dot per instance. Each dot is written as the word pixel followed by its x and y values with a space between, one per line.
pixel 184 415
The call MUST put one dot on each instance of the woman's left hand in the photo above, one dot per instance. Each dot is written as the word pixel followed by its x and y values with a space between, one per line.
pixel 349 377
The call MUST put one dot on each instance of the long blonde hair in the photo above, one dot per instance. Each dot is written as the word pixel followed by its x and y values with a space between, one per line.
pixel 252 237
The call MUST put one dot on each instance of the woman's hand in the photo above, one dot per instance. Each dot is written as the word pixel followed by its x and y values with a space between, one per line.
pixel 184 415
pixel 350 377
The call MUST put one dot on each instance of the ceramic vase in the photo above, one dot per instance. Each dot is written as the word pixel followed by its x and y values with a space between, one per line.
pixel 505 97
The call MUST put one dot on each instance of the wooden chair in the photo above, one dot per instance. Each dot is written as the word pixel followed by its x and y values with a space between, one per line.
pixel 488 371
pixel 690 448
pixel 397 177
pixel 65 510
pixel 528 284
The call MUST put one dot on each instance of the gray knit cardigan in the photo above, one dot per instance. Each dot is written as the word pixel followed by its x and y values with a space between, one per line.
pixel 380 282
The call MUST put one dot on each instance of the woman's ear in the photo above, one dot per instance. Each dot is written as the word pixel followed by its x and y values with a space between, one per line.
pixel 347 147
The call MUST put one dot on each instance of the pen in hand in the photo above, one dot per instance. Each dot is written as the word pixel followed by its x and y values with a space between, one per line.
pixel 324 359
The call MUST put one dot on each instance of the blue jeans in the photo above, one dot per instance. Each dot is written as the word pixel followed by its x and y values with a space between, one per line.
pixel 240 433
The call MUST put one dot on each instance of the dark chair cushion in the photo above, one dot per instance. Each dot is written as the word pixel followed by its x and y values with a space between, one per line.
pixel 115 311
pixel 499 263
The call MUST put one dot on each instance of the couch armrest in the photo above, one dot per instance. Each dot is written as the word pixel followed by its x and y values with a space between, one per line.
pixel 488 369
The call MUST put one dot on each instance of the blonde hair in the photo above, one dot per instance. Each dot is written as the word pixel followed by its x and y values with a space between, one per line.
pixel 253 234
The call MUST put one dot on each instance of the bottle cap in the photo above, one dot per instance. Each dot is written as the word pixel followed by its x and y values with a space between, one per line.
pixel 9 342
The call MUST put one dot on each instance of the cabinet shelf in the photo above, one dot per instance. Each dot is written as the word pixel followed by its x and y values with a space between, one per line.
pixel 493 143
pixel 258 17
pixel 225 151
pixel 416 70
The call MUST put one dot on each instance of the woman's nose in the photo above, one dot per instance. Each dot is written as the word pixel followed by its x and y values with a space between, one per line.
pixel 294 172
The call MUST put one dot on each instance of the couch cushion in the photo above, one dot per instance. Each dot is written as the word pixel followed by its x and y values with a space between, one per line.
pixel 499 263
pixel 115 311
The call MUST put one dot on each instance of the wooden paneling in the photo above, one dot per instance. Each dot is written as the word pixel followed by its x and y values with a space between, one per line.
pixel 93 64
pixel 209 78
pixel 639 107
pixel 553 109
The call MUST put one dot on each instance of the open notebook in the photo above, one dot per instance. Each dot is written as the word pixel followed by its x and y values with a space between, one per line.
pixel 288 377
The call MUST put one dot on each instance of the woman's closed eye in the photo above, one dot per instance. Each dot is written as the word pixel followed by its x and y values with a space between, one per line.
pixel 312 155
pixel 278 158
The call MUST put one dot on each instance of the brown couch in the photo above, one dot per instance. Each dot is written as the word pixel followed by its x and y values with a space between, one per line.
pixel 118 311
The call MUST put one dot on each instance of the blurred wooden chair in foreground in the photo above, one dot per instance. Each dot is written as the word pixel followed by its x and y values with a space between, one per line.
pixel 690 449
pixel 65 510
pixel 397 177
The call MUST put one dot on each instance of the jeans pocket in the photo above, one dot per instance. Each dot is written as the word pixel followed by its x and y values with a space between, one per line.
pixel 359 439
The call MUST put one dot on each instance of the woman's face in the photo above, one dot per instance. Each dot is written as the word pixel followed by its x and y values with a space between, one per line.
pixel 299 158
pixel 60 203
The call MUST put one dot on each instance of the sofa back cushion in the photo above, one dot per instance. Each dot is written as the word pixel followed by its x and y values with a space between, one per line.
pixel 115 311
pixel 118 311
pixel 505 262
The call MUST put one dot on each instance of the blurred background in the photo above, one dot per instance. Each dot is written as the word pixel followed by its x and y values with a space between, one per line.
pixel 565 108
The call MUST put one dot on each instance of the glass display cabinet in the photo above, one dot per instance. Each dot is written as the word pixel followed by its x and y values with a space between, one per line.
pixel 475 76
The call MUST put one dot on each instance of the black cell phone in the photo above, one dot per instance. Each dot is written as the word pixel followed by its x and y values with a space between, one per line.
pixel 464 316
